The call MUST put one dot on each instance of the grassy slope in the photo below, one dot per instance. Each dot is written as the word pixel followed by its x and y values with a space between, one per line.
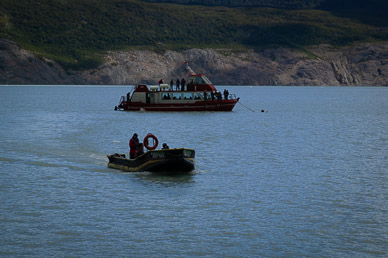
pixel 75 33
pixel 286 4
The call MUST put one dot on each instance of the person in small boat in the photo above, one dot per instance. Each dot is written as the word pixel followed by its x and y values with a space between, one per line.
pixel 133 145
pixel 161 81
pixel 165 146
pixel 140 150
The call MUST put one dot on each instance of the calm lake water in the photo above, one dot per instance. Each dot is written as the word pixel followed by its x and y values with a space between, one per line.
pixel 307 177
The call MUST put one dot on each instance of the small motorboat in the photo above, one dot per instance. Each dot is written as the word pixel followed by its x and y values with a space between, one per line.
pixel 178 160
pixel 172 160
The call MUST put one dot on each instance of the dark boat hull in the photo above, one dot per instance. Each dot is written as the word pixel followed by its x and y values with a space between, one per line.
pixel 167 161
pixel 216 105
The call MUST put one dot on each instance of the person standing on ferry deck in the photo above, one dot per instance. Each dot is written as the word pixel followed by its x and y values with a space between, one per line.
pixel 183 83
pixel 178 83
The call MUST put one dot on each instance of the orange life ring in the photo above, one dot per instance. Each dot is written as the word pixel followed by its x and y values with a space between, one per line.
pixel 146 144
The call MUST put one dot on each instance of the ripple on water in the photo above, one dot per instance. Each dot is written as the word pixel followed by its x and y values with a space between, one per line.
pixel 306 178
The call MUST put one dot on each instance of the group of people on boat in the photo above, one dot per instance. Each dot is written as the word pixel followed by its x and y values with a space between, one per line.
pixel 179 84
pixel 217 95
pixel 136 148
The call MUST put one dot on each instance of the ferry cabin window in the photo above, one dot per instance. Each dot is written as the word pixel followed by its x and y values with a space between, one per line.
pixel 208 96
pixel 206 80
pixel 176 95
pixel 166 96
pixel 200 80
pixel 187 95
pixel 196 95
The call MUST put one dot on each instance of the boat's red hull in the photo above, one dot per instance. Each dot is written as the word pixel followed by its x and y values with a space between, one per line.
pixel 215 105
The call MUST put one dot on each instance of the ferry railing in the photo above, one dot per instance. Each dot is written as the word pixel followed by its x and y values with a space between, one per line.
pixel 232 96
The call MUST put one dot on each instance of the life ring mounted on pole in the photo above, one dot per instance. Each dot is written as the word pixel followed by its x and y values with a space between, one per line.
pixel 154 140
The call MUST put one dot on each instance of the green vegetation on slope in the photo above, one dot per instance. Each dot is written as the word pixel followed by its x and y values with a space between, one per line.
pixel 76 33
pixel 284 4
pixel 374 12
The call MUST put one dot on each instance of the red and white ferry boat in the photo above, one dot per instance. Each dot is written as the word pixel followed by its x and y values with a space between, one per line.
pixel 199 94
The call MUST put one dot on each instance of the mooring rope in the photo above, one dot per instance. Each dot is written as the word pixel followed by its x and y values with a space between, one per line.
pixel 246 106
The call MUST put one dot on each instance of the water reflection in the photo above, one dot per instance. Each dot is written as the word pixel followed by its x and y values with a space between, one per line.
pixel 166 178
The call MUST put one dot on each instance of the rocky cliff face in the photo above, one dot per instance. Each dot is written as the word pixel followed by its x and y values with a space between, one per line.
pixel 365 65
pixel 18 66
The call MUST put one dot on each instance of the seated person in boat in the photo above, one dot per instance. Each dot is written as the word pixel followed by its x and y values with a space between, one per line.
pixel 165 146
pixel 140 150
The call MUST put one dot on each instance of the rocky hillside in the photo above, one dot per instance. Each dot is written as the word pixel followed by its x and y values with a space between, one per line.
pixel 77 34
pixel 365 64
pixel 18 66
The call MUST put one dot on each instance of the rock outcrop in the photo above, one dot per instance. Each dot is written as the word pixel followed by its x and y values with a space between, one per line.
pixel 18 66
pixel 364 65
